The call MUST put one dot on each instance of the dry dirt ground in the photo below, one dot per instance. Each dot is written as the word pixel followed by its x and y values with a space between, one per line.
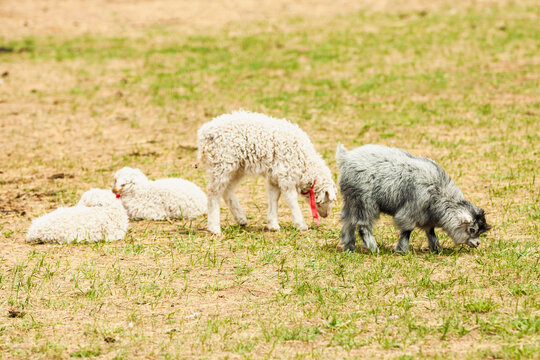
pixel 115 17
pixel 56 143
pixel 50 17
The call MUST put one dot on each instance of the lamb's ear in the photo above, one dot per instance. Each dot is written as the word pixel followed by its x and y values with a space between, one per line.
pixel 331 195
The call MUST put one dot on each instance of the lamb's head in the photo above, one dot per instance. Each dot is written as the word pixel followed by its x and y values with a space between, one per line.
pixel 98 197
pixel 325 194
pixel 471 224
pixel 126 178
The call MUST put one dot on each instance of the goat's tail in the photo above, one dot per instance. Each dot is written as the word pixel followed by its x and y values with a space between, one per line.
pixel 341 151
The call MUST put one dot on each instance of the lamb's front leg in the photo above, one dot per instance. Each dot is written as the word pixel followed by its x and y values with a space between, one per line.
pixel 433 241
pixel 213 213
pixel 291 197
pixel 273 193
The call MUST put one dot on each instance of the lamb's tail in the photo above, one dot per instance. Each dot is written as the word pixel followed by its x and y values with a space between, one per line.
pixel 341 151
pixel 205 137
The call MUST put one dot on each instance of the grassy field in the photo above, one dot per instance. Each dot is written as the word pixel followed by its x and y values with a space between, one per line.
pixel 460 84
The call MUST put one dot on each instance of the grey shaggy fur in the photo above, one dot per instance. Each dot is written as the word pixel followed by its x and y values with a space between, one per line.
pixel 416 191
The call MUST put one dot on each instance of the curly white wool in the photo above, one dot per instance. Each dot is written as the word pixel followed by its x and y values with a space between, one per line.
pixel 171 198
pixel 97 216
pixel 242 142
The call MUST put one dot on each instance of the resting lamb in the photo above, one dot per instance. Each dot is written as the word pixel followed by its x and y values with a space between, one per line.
pixel 170 198
pixel 97 216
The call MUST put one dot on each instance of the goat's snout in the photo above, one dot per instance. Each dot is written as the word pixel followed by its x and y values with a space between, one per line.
pixel 474 243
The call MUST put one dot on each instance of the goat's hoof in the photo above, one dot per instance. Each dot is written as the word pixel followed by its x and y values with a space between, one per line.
pixel 349 247
pixel 374 250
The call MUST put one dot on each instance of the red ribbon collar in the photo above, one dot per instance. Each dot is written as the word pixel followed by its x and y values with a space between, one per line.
pixel 312 203
pixel 117 195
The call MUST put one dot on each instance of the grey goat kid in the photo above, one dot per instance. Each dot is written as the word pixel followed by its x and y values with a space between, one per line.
pixel 414 190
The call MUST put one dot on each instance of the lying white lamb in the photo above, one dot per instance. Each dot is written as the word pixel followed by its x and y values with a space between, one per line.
pixel 240 143
pixel 171 198
pixel 97 216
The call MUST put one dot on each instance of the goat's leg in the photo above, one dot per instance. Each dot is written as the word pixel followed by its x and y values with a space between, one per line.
pixel 433 241
pixel 402 246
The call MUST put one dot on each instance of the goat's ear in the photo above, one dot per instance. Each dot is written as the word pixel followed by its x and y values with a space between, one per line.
pixel 464 218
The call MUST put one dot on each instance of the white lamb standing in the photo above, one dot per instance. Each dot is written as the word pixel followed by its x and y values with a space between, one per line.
pixel 233 145
pixel 97 216
pixel 170 198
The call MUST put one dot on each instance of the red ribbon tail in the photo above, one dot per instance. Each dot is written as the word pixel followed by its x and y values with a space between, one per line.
pixel 313 206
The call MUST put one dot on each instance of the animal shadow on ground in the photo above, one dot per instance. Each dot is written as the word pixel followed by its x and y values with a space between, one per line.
pixel 233 230
pixel 390 250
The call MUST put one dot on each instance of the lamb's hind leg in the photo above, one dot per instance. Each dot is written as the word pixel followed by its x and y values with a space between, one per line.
pixel 273 193
pixel 214 192
pixel 433 241
pixel 232 202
